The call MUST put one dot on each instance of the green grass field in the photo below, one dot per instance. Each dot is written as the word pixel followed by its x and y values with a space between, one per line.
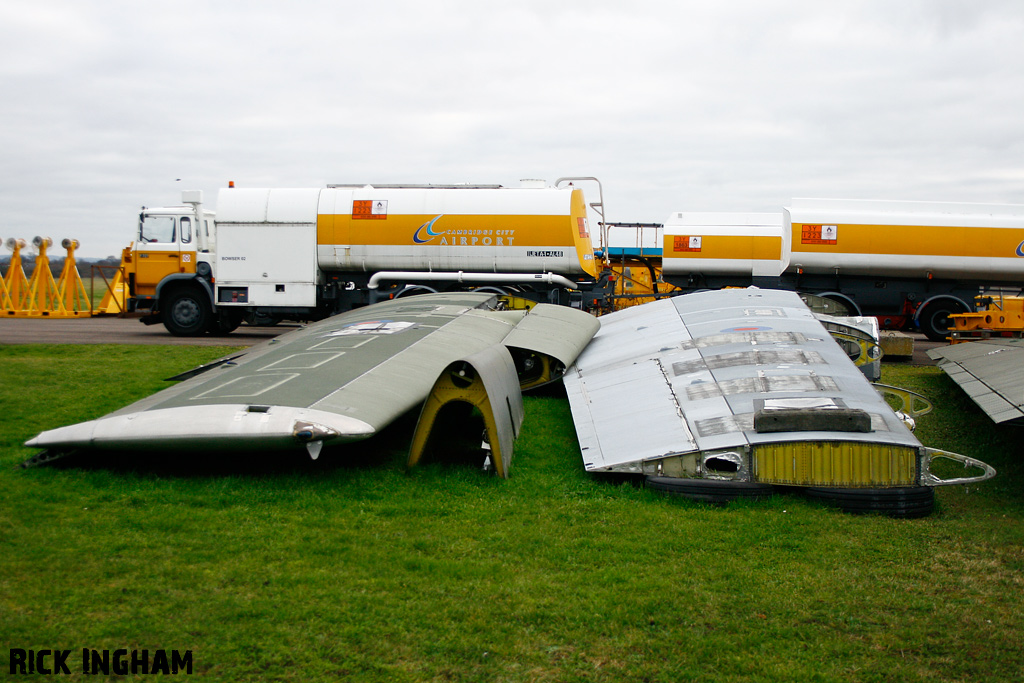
pixel 352 569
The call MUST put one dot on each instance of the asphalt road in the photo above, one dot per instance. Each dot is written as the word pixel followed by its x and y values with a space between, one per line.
pixel 110 330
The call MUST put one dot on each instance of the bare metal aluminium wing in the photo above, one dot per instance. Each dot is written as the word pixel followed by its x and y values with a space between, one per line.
pixel 738 386
pixel 345 378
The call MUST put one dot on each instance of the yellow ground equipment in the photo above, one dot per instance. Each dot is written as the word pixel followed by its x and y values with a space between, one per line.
pixel 42 289
pixel 42 296
pixel 115 297
pixel 6 303
pixel 15 281
pixel 997 316
pixel 638 282
pixel 70 288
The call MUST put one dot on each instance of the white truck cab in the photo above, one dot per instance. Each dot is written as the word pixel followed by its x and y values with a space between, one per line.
pixel 168 267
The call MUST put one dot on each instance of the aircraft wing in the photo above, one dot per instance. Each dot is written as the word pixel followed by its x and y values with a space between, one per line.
pixel 742 386
pixel 340 379
pixel 991 371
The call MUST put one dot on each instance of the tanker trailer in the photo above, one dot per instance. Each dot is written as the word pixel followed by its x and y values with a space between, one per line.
pixel 902 260
pixel 305 253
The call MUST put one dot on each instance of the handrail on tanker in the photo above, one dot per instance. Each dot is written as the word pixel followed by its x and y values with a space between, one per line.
pixel 598 208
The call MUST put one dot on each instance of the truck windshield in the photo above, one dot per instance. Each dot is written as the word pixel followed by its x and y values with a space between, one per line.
pixel 156 228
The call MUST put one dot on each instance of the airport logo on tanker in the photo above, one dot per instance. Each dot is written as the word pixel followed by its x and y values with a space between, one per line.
pixel 462 237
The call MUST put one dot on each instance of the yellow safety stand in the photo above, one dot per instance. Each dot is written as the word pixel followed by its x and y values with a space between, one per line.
pixel 42 298
pixel 6 303
pixel 70 288
pixel 15 281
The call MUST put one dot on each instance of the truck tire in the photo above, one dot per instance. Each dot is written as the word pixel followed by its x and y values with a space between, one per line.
pixel 225 322
pixel 261 319
pixel 934 320
pixel 414 290
pixel 187 312
pixel 845 305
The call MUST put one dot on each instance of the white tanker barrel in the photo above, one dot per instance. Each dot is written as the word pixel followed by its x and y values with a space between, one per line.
pixel 907 239
pixel 725 244
pixel 483 229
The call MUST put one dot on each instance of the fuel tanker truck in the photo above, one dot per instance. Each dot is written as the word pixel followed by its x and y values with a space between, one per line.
pixel 903 262
pixel 306 253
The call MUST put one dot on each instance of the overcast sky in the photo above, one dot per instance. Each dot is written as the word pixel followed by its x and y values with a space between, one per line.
pixel 676 106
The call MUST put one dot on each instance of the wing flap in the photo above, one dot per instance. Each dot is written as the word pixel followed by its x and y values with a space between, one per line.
pixel 991 372
pixel 556 331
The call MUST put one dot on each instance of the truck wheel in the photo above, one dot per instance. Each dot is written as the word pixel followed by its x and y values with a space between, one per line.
pixel 261 319
pixel 934 321
pixel 490 289
pixel 187 312
pixel 414 290
pixel 225 322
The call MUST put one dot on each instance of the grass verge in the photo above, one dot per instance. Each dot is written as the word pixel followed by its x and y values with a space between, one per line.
pixel 351 569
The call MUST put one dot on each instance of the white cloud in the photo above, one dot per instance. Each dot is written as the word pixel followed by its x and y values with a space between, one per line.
pixel 736 105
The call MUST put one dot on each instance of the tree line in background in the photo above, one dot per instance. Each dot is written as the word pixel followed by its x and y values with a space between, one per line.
pixel 28 262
